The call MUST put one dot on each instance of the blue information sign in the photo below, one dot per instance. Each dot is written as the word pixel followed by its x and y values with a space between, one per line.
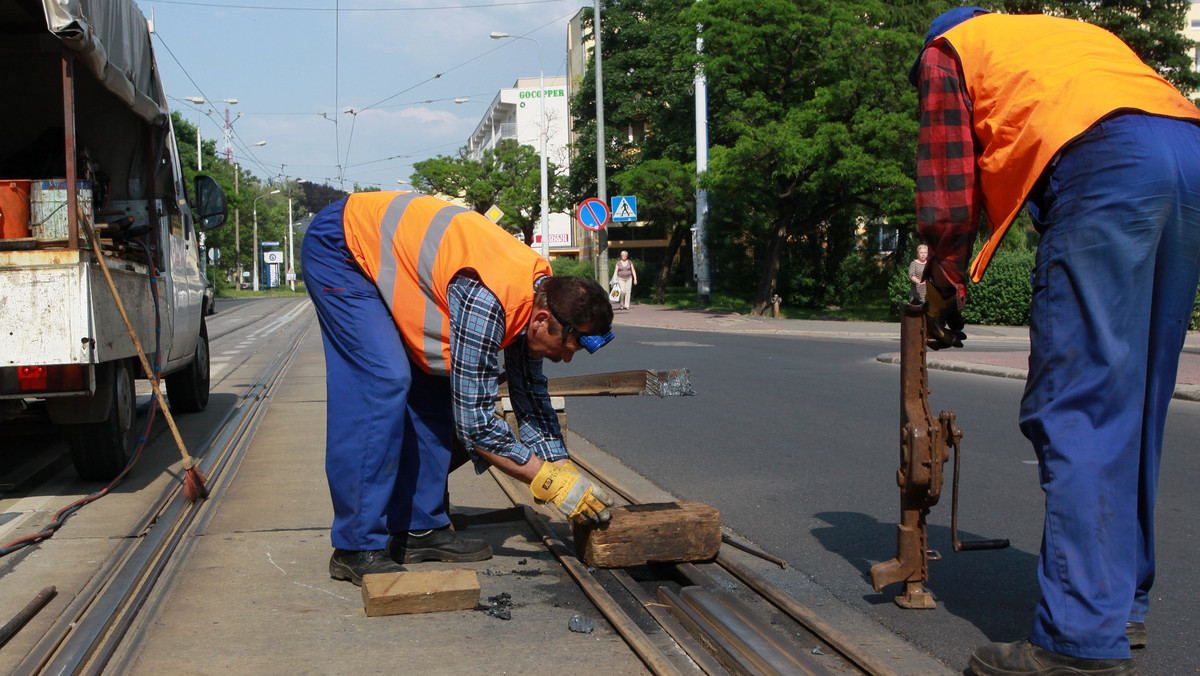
pixel 592 214
pixel 624 208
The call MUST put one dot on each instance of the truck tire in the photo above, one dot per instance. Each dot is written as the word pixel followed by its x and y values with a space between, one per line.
pixel 187 390
pixel 100 450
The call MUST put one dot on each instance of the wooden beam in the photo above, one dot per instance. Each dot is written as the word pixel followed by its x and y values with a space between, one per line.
pixel 637 534
pixel 427 591
pixel 619 383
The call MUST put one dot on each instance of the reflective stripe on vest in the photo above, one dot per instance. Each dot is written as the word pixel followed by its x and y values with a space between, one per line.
pixel 397 239
pixel 1035 84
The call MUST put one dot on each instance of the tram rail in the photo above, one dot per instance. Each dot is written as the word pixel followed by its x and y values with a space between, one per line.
pixel 84 637
pixel 766 632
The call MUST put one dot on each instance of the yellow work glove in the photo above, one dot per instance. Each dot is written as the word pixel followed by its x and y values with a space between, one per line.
pixel 943 320
pixel 574 495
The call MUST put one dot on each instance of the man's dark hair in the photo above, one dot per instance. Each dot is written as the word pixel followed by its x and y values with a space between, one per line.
pixel 580 301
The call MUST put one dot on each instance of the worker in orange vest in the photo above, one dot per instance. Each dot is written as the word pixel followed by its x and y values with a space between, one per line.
pixel 417 298
pixel 1063 116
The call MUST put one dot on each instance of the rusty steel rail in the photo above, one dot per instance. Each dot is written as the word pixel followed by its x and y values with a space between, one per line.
pixel 92 629
pixel 774 595
pixel 649 653
pixel 742 642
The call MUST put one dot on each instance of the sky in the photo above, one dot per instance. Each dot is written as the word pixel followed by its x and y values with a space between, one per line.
pixel 349 91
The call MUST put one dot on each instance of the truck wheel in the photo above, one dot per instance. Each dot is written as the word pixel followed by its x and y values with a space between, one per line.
pixel 100 450
pixel 187 390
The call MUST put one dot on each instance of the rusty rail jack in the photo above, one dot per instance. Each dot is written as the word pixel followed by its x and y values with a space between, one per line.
pixel 925 445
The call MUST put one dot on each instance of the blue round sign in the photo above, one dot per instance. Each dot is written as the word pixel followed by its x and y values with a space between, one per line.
pixel 592 214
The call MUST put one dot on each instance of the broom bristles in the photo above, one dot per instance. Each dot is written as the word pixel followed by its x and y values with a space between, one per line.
pixel 193 485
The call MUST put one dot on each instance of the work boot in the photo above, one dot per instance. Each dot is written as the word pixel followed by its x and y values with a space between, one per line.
pixel 440 544
pixel 348 564
pixel 1026 659
pixel 1136 633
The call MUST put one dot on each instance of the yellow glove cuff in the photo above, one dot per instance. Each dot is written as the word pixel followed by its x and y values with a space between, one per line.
pixel 553 482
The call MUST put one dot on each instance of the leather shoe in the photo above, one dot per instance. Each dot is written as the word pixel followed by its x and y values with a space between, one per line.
pixel 441 544
pixel 1136 633
pixel 1023 657
pixel 348 564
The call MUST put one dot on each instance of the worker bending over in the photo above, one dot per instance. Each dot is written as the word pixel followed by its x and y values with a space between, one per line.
pixel 417 298
pixel 1063 116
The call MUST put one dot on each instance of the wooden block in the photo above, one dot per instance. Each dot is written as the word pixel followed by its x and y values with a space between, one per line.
pixel 663 531
pixel 427 591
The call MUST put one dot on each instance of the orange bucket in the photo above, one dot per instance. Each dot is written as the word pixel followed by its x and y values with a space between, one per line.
pixel 14 209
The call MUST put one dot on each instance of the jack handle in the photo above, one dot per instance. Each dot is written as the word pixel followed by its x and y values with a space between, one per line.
pixel 953 436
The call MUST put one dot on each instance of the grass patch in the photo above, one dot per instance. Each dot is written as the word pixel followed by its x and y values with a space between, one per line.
pixel 875 307
pixel 277 292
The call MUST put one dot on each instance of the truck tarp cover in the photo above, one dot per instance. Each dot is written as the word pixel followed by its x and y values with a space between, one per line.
pixel 112 38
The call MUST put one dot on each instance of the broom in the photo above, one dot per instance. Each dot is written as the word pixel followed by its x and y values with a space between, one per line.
pixel 193 481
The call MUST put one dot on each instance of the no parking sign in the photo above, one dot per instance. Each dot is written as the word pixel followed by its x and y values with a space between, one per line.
pixel 592 214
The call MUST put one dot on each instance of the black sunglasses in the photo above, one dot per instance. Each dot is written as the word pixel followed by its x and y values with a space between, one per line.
pixel 589 341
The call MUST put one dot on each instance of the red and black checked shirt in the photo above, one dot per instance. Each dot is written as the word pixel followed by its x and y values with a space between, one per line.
pixel 948 192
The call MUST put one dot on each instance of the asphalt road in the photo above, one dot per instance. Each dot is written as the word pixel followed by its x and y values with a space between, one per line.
pixel 795 440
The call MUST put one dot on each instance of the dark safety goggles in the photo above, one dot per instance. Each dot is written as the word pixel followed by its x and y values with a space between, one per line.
pixel 589 342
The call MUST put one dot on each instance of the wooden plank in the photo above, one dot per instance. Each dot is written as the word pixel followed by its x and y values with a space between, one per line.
pixel 594 384
pixel 672 383
pixel 665 532
pixel 427 591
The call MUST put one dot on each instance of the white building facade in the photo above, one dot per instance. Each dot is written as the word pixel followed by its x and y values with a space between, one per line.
pixel 1191 29
pixel 515 113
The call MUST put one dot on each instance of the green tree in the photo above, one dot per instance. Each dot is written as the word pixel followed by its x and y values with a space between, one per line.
pixel 649 120
pixel 812 125
pixel 667 199
pixel 507 176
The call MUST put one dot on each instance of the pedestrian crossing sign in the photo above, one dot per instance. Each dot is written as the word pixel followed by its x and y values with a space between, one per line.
pixel 624 208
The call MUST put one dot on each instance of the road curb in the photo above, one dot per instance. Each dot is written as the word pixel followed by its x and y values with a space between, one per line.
pixel 1184 392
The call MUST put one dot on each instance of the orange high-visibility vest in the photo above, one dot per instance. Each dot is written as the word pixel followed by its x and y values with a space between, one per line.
pixel 412 245
pixel 1036 83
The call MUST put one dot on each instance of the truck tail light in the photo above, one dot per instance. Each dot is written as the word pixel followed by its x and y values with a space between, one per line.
pixel 50 378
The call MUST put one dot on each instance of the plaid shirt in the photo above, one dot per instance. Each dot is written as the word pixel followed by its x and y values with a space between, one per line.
pixel 948 191
pixel 476 332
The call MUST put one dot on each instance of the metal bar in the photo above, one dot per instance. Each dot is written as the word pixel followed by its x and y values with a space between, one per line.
pixel 807 618
pixel 14 625
pixel 713 641
pixel 699 655
pixel 760 644
pixel 754 551
pixel 954 435
pixel 649 653
pixel 68 84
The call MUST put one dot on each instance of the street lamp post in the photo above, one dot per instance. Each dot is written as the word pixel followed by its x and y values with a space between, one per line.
pixel 545 215
pixel 291 268
pixel 237 223
pixel 254 250
pixel 199 101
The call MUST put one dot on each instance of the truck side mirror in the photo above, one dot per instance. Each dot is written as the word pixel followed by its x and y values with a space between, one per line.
pixel 211 207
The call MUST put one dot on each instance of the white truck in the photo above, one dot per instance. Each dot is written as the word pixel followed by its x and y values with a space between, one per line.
pixel 85 137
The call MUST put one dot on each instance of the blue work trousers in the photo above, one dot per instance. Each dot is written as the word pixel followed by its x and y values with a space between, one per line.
pixel 389 425
pixel 1113 287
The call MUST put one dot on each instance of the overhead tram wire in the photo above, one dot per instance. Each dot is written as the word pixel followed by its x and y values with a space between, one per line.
pixel 243 145
pixel 343 167
pixel 433 8
pixel 340 166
